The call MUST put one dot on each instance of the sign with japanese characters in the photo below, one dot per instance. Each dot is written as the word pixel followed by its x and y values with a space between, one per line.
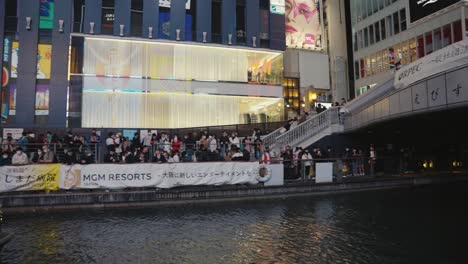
pixel 114 176
pixel 29 178
pixel 439 61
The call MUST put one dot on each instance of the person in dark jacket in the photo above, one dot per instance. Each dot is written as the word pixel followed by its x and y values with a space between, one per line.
pixel 158 157
pixel 70 158
pixel 5 159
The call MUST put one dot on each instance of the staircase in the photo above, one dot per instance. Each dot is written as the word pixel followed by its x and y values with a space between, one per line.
pixel 306 133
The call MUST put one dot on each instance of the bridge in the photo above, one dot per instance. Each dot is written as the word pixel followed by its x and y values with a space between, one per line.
pixel 429 96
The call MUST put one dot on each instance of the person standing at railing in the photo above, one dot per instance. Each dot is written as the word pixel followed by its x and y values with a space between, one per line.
pixel 9 144
pixel 23 142
pixel 70 158
pixel 48 156
pixel 266 157
pixel 19 158
pixel 224 145
pixel 146 141
pixel 234 140
pixel 308 162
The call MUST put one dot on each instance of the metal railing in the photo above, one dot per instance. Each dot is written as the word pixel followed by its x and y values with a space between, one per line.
pixel 269 139
pixel 307 129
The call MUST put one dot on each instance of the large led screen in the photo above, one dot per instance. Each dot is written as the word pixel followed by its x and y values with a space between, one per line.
pixel 303 24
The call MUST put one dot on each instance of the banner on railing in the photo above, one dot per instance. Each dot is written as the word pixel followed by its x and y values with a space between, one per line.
pixel 29 178
pixel 157 175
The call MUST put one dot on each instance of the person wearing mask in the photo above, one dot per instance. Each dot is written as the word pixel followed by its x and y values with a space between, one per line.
pixel 19 158
pixel 48 156
pixel 5 159
pixel 234 140
pixel 128 157
pixel 212 144
pixel 9 144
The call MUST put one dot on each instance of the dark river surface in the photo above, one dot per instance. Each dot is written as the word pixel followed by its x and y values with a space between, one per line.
pixel 421 225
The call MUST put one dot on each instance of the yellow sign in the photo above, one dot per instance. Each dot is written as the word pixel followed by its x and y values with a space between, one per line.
pixel 44 57
pixel 29 177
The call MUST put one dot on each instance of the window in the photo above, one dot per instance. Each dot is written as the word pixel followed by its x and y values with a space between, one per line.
pixel 396 24
pixel 447 35
pixel 428 43
pixel 355 40
pixel 11 19
pixel 388 2
pixel 457 31
pixel 368 66
pixel 240 23
pixel 420 46
pixel 385 60
pixel 377 32
pixel 369 7
pixel 363 69
pixel 371 34
pixel 413 50
pixel 216 22
pixel 381 4
pixel 403 19
pixel 404 53
pixel 361 39
pixel 382 29
pixel 378 62
pixel 356 70
pixel 136 17
pixel 437 39
pixel 375 6
pixel 373 64
pixel 366 37
pixel 107 17
pixel 389 25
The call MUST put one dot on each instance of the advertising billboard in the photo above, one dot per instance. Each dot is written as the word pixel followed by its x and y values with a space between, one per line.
pixel 422 8
pixel 46 14
pixel 44 55
pixel 303 24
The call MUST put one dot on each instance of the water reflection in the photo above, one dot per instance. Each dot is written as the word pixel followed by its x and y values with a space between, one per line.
pixel 397 226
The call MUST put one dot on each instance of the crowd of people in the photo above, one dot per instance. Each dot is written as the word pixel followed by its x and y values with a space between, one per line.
pixel 299 162
pixel 154 147
pixel 163 147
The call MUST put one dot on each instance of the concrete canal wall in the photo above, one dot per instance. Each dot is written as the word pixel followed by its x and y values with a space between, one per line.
pixel 72 200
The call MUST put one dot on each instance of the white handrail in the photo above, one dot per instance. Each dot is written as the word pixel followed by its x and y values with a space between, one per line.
pixel 270 138
pixel 307 129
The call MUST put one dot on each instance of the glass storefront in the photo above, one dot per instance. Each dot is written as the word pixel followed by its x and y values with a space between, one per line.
pixel 145 84
pixel 156 60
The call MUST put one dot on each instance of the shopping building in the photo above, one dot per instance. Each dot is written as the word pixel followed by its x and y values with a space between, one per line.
pixel 141 63
pixel 315 61
pixel 387 34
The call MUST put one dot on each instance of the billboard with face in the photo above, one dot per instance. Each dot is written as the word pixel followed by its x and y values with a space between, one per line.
pixel 303 24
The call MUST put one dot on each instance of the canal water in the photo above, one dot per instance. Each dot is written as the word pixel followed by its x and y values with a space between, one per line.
pixel 421 225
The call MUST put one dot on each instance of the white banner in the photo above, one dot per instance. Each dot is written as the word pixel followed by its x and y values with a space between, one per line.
pixel 439 61
pixel 157 175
